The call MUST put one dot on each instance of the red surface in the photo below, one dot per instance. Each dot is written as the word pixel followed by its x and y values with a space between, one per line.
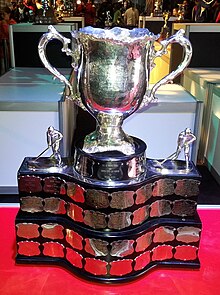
pixel 43 280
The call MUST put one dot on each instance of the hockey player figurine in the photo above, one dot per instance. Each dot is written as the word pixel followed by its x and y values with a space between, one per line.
pixel 185 139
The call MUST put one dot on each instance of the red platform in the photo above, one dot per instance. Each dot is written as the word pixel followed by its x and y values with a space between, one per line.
pixel 44 280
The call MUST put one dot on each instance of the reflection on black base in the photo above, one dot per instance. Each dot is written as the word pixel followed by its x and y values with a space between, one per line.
pixel 44 163
pixel 170 167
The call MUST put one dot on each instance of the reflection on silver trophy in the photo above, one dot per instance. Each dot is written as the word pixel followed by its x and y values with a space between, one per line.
pixel 113 70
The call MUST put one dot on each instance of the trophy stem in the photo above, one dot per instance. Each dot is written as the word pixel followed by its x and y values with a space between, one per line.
pixel 109 136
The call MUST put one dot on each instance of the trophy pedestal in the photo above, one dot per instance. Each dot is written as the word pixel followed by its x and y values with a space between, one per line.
pixel 111 233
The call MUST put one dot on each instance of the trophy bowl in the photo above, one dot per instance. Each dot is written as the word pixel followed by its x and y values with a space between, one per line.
pixel 112 83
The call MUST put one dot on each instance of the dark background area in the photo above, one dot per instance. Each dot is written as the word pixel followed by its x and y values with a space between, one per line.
pixel 29 56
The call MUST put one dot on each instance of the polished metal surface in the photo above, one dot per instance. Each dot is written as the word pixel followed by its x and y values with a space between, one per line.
pixel 32 204
pixel 29 183
pixel 52 231
pixel 171 167
pixel 143 242
pixel 97 198
pixel 162 252
pixel 160 208
pixel 28 248
pixel 119 220
pixel 74 239
pixel 75 192
pixel 96 247
pixel 54 205
pixel 53 185
pixel 140 215
pixel 143 194
pixel 28 230
pixel 113 68
pixel 187 187
pixel 122 199
pixel 186 252
pixel 184 142
pixel 111 168
pixel 188 234
pixel 163 187
pixel 53 142
pixel 96 220
pixel 184 207
pixel 53 249
pixel 164 234
pixel 114 254
pixel 122 248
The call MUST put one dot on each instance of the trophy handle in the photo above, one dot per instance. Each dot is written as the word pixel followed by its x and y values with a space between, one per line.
pixel 44 40
pixel 185 43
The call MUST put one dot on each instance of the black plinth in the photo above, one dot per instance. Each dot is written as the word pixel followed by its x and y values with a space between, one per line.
pixel 108 234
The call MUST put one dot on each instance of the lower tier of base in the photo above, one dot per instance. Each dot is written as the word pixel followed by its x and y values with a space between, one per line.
pixel 108 256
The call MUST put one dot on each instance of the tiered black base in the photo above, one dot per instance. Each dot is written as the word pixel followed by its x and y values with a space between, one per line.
pixel 108 234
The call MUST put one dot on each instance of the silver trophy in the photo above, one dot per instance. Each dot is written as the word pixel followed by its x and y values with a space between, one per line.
pixel 112 68
pixel 108 213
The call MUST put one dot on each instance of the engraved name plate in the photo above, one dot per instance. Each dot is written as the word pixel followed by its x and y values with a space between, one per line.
pixel 122 248
pixel 29 184
pixel 119 220
pixel 143 194
pixel 74 239
pixel 53 249
pixel 28 248
pixel 52 231
pixel 163 187
pixel 28 230
pixel 96 247
pixel 187 187
pixel 110 171
pixel 162 252
pixel 31 204
pixel 74 257
pixel 95 219
pixel 54 205
pixel 122 199
pixel 53 185
pixel 164 234
pixel 188 234
pixel 97 198
pixel 184 207
pixel 186 252
pixel 143 242
pixel 75 192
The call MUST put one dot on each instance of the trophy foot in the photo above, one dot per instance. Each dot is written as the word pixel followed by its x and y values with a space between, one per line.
pixel 111 166
pixel 93 145
pixel 124 147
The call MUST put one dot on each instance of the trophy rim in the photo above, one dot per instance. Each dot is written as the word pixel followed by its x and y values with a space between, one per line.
pixel 116 34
